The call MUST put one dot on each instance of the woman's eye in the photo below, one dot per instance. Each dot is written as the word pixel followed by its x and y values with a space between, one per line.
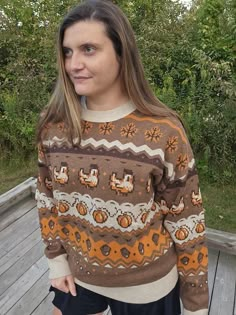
pixel 89 49
pixel 67 52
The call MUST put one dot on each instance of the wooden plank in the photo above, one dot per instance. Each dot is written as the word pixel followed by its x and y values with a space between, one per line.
pixel 15 292
pixel 45 307
pixel 7 260
pixel 33 189
pixel 222 302
pixel 212 267
pixel 16 194
pixel 30 301
pixel 16 212
pixel 19 230
pixel 221 240
pixel 20 267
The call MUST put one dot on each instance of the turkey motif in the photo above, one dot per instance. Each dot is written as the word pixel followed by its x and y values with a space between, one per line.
pixel 124 185
pixel 197 198
pixel 61 177
pixel 90 179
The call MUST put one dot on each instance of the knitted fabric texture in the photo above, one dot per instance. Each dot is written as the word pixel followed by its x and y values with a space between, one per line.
pixel 123 207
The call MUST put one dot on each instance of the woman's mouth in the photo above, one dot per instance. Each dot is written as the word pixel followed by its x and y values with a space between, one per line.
pixel 81 78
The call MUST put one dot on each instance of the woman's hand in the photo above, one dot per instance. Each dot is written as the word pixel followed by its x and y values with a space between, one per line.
pixel 65 284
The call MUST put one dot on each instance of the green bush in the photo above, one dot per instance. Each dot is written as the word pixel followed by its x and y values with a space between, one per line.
pixel 189 58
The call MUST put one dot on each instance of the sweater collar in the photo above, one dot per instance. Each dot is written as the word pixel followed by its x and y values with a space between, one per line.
pixel 107 115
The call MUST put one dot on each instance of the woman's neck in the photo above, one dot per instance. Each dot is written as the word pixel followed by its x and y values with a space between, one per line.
pixel 105 102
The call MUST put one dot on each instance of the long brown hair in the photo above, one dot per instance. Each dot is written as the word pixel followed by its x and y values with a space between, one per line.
pixel 64 104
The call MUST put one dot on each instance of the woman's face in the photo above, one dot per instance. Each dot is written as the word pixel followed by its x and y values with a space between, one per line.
pixel 90 59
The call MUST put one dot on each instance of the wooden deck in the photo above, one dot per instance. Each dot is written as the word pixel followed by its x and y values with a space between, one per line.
pixel 24 272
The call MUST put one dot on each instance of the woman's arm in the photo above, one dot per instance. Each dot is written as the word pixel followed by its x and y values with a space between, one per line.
pixel 179 198
pixel 48 218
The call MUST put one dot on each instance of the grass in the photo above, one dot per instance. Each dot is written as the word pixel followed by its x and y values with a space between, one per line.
pixel 15 172
pixel 219 201
pixel 220 204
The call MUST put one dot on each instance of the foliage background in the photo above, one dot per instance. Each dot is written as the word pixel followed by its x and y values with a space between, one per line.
pixel 189 57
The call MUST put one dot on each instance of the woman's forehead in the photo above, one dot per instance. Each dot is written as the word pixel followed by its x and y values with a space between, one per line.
pixel 85 31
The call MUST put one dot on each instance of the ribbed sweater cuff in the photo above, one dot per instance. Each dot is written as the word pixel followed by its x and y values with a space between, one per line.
pixel 58 267
pixel 199 312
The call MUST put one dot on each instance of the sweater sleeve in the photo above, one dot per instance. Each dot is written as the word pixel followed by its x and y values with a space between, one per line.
pixel 48 219
pixel 179 198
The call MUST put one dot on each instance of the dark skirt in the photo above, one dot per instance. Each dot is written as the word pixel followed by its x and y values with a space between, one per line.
pixel 87 302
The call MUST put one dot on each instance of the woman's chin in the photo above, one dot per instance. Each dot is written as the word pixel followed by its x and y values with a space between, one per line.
pixel 81 91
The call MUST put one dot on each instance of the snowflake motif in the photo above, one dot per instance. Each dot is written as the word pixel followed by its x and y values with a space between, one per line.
pixel 172 143
pixel 106 128
pixel 129 130
pixel 86 126
pixel 61 126
pixel 48 126
pixel 182 161
pixel 154 134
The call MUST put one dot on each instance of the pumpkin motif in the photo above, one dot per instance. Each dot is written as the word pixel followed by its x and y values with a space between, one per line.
pixel 124 220
pixel 200 227
pixel 153 208
pixel 182 233
pixel 82 208
pixel 54 209
pixel 63 207
pixel 100 216
pixel 144 217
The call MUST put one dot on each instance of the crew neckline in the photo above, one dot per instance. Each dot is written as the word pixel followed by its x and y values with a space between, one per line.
pixel 106 115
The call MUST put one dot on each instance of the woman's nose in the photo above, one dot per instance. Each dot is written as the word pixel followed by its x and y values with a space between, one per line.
pixel 77 62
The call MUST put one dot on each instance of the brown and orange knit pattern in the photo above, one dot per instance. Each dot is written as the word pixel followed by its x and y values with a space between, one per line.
pixel 122 211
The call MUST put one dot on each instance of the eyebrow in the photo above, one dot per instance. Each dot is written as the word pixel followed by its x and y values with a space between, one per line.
pixel 84 44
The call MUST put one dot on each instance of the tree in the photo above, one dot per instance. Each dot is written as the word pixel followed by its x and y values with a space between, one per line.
pixel 189 58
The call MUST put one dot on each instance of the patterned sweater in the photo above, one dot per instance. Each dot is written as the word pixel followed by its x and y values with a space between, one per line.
pixel 122 211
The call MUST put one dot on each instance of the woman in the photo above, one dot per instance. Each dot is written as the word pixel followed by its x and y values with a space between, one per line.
pixel 118 197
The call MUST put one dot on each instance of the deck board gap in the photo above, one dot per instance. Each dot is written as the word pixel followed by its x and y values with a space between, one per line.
pixel 45 306
pixel 234 305
pixel 213 285
pixel 14 214
pixel 5 258
pixel 21 266
pixel 211 293
pixel 14 310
